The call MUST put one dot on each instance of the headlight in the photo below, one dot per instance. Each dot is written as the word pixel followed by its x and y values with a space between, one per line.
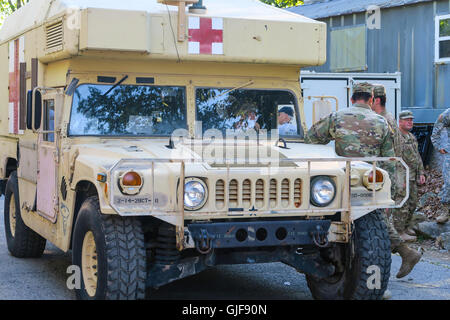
pixel 355 178
pixel 369 177
pixel 130 183
pixel 323 191
pixel 195 194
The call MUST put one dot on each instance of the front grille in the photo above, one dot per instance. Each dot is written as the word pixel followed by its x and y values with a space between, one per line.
pixel 233 194
pixel 259 194
pixel 285 193
pixel 273 193
pixel 246 193
pixel 297 193
pixel 220 194
pixel 281 193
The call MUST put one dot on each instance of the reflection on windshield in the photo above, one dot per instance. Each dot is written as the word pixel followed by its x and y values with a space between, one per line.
pixel 127 110
pixel 244 109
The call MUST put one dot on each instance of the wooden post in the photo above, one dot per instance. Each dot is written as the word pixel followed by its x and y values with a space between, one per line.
pixel 181 4
pixel 181 21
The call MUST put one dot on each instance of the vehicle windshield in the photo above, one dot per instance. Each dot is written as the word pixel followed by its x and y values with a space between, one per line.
pixel 243 109
pixel 135 110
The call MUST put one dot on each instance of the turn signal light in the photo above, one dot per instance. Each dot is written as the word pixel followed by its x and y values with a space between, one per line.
pixel 369 177
pixel 131 179
pixel 378 176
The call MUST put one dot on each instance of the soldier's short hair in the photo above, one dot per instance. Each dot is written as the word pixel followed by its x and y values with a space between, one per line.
pixel 379 91
pixel 382 100
pixel 362 91
pixel 361 96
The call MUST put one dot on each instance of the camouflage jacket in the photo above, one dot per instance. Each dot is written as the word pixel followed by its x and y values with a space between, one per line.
pixel 394 131
pixel 357 131
pixel 410 153
pixel 442 122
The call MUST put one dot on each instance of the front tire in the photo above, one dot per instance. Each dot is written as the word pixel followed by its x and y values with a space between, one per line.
pixel 110 252
pixel 370 262
pixel 22 241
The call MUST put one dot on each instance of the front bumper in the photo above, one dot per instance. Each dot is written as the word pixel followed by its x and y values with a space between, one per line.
pixel 208 236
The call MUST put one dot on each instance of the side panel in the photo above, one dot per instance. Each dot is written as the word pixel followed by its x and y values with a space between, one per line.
pixel 129 26
pixel 323 87
pixel 8 149
pixel 46 181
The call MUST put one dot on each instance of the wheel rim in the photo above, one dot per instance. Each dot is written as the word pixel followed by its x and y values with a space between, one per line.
pixel 12 215
pixel 89 263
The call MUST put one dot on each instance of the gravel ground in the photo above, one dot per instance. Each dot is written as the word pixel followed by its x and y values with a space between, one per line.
pixel 45 279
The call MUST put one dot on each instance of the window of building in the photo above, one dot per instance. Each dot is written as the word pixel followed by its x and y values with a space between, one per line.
pixel 442 45
pixel 348 49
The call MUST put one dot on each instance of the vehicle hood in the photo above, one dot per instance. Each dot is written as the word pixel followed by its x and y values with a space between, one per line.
pixel 109 151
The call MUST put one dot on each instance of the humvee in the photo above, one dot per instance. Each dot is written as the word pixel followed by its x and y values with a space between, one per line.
pixel 156 139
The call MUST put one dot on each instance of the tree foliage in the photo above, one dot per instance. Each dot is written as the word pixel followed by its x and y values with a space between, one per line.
pixel 9 6
pixel 283 3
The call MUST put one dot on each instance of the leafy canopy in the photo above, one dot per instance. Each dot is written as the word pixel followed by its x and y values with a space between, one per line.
pixel 9 6
pixel 283 3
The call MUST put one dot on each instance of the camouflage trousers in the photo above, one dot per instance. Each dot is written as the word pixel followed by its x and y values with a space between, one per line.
pixel 402 217
pixel 393 234
pixel 444 195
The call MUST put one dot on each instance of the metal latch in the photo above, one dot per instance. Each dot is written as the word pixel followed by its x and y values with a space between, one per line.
pixel 319 237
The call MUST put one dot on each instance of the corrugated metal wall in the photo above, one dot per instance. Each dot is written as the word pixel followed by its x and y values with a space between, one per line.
pixel 405 42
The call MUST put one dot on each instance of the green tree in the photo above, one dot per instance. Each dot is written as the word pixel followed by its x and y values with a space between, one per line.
pixel 283 3
pixel 9 6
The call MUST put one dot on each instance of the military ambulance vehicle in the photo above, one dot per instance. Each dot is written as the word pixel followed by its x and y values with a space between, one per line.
pixel 158 139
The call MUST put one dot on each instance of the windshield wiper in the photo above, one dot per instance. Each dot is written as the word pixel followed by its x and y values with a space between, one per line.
pixel 239 87
pixel 115 86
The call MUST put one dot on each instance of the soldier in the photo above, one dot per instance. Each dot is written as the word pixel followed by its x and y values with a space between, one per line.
pixel 409 151
pixel 360 132
pixel 405 146
pixel 379 106
pixel 443 122
pixel 285 126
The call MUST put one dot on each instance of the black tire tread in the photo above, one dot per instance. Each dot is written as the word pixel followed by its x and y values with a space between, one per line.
pixel 372 246
pixel 125 252
pixel 374 249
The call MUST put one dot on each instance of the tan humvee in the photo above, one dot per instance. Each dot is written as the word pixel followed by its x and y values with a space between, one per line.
pixel 115 112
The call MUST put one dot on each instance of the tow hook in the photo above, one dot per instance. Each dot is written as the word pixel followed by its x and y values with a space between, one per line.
pixel 319 237
pixel 203 242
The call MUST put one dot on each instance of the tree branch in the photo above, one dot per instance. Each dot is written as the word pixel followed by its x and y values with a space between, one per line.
pixel 13 8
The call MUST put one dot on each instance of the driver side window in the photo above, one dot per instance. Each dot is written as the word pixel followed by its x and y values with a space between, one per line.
pixel 49 119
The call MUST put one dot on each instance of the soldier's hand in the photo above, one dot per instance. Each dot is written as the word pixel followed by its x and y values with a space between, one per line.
pixel 443 151
pixel 422 179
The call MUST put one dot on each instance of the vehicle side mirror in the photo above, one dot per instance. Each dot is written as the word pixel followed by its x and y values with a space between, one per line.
pixel 37 109
pixel 30 110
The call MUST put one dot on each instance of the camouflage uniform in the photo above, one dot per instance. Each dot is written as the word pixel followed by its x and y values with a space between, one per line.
pixel 443 122
pixel 358 132
pixel 378 91
pixel 409 151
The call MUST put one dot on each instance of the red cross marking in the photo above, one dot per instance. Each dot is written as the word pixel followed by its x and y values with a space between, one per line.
pixel 14 83
pixel 206 35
